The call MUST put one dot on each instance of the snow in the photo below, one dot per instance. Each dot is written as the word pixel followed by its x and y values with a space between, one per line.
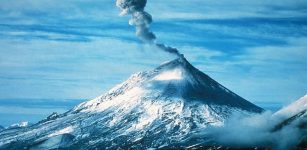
pixel 62 131
pixel 151 113
pixel 24 124
pixel 175 74
pixel 19 125
pixel 294 108
pixel 95 106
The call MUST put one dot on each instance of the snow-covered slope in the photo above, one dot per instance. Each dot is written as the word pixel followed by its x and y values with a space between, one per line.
pixel 176 79
pixel 294 108
pixel 294 114
pixel 160 108
pixel 294 118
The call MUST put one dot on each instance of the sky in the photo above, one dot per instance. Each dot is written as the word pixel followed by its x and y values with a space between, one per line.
pixel 78 49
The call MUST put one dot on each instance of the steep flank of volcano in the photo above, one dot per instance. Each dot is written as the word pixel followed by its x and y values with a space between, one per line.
pixel 162 108
pixel 179 79
pixel 199 86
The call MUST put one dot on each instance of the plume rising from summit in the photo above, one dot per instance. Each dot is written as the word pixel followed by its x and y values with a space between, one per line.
pixel 142 20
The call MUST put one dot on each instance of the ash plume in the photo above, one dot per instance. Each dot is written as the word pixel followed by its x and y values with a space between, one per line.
pixel 142 20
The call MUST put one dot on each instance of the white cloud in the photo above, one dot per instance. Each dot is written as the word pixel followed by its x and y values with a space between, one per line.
pixel 255 131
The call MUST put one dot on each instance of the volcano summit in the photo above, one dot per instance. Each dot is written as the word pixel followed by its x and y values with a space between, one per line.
pixel 162 108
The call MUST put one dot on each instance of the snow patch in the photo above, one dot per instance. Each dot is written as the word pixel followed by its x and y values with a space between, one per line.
pixel 132 94
pixel 175 74
pixel 151 113
pixel 19 125
pixel 62 131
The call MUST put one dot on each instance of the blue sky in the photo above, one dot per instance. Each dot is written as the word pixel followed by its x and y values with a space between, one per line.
pixel 78 49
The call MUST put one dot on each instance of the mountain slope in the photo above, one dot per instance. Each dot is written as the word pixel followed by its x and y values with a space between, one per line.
pixel 179 78
pixel 163 107
pixel 294 108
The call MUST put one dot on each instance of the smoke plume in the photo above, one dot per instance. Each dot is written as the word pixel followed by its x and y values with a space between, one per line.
pixel 142 20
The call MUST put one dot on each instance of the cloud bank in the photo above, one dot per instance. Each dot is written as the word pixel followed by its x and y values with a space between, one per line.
pixel 256 131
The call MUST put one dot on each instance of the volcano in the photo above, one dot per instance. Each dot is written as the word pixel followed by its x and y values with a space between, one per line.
pixel 162 108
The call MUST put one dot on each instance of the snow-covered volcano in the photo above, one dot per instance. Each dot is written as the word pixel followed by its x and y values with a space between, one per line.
pixel 160 108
